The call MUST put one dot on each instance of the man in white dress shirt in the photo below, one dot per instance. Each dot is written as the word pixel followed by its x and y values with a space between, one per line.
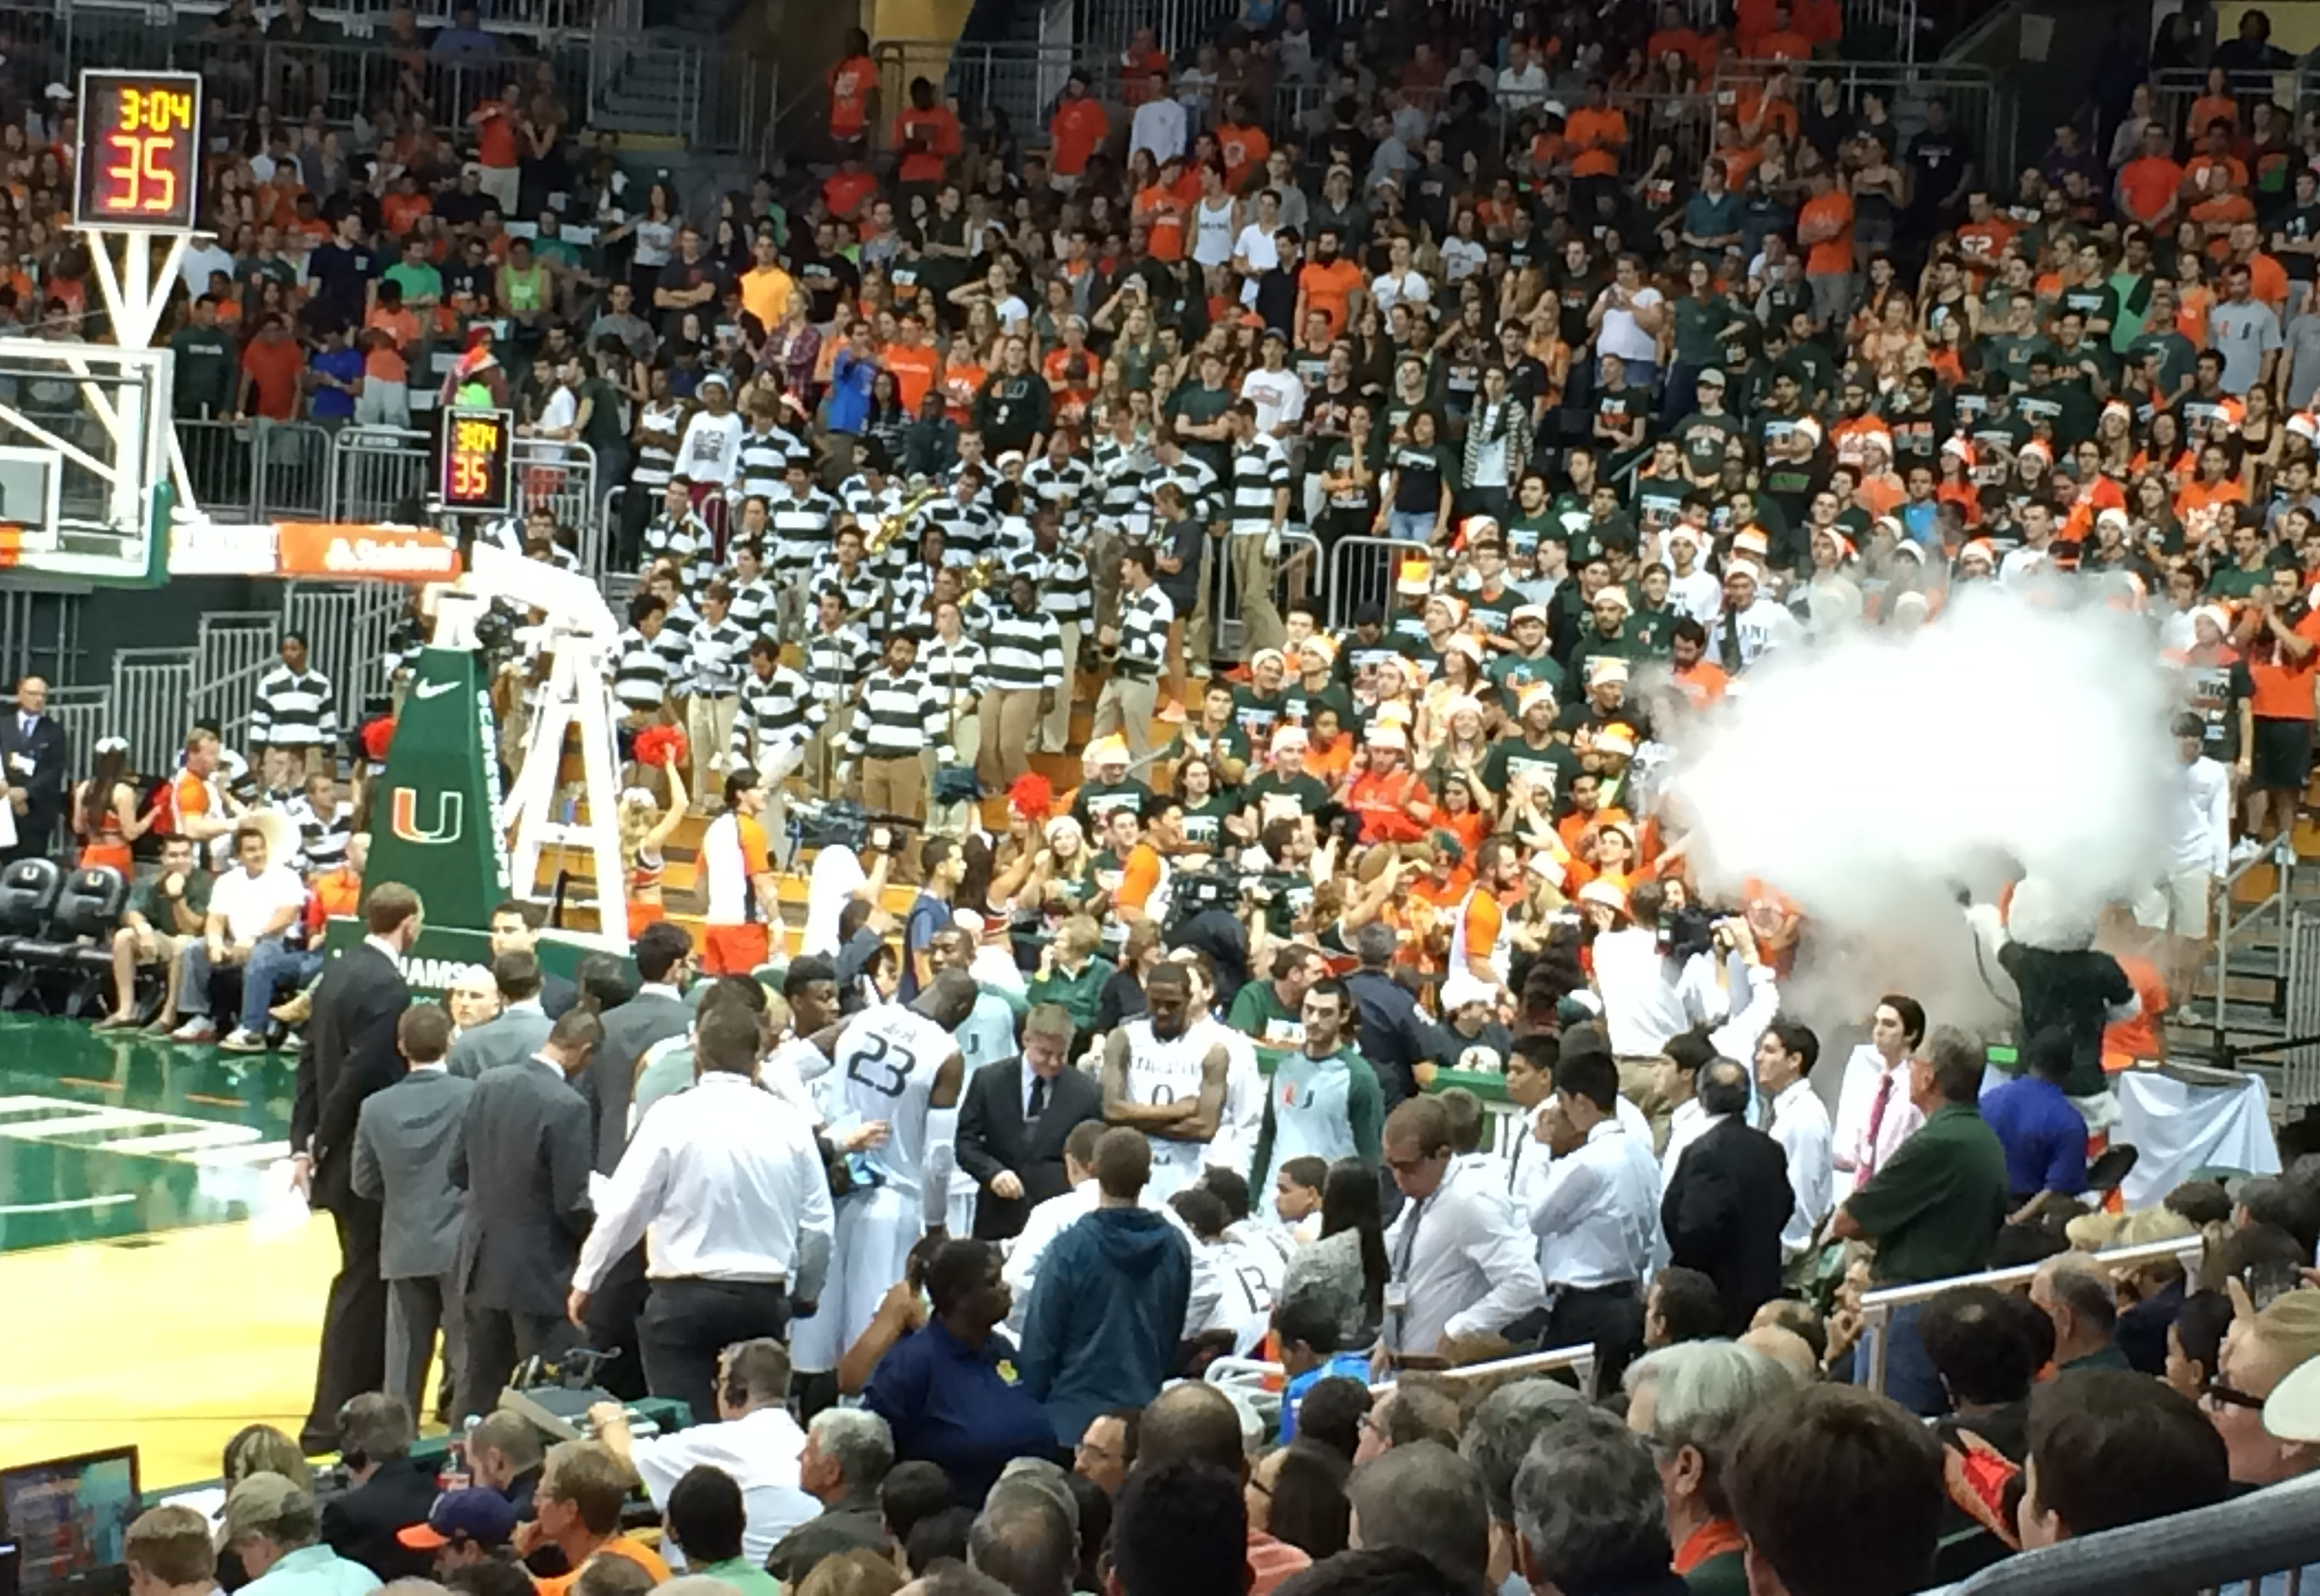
pixel 753 1440
pixel 725 1185
pixel 1596 1217
pixel 1875 1114
pixel 1463 1266
pixel 1800 1123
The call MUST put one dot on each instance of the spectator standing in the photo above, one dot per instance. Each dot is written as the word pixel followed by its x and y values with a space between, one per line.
pixel 523 1159
pixel 404 1138
pixel 1730 1200
pixel 1462 1265
pixel 296 718
pixel 33 747
pixel 1800 1123
pixel 347 1055
pixel 1111 1298
pixel 1015 1118
pixel 1594 1215
pixel 1935 1210
pixel 2043 1136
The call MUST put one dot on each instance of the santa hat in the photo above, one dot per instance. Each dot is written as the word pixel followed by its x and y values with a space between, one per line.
pixel 1416 579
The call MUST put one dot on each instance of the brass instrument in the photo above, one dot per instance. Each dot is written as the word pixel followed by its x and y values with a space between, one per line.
pixel 981 577
pixel 890 527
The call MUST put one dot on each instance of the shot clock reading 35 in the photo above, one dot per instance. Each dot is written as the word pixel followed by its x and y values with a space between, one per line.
pixel 140 152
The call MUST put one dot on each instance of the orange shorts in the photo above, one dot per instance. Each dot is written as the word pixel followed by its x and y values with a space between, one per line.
pixel 641 914
pixel 734 949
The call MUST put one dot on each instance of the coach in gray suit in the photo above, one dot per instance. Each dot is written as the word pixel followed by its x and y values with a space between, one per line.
pixel 664 957
pixel 523 1158
pixel 517 1032
pixel 402 1160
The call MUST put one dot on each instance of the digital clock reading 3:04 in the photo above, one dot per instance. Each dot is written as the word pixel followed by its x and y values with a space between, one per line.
pixel 139 153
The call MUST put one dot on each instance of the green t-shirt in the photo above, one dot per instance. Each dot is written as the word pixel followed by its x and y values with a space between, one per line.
pixel 206 369
pixel 1201 406
pixel 1513 673
pixel 1308 793
pixel 155 906
pixel 417 281
pixel 1204 822
pixel 1550 768
pixel 1257 1011
pixel 1257 714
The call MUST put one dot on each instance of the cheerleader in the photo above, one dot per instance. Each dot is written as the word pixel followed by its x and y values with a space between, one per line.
pixel 645 828
pixel 104 814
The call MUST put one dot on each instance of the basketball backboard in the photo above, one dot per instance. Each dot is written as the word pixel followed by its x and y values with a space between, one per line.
pixel 86 455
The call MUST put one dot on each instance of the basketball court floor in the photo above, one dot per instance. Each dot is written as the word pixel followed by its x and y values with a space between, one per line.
pixel 155 1292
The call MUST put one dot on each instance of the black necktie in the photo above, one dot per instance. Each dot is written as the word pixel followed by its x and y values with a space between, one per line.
pixel 1732 660
pixel 1039 1096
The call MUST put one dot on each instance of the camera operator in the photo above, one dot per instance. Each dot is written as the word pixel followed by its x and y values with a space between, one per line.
pixel 1655 971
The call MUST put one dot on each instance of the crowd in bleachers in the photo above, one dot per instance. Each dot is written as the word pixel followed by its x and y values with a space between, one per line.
pixel 1249 546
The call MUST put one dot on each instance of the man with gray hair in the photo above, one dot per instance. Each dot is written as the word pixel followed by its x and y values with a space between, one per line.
pixel 1426 1497
pixel 1686 1402
pixel 1024 1540
pixel 1497 1439
pixel 1389 1030
pixel 390 1491
pixel 1587 1512
pixel 272 1526
pixel 849 1452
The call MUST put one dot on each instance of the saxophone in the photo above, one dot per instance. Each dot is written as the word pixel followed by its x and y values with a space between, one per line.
pixel 890 527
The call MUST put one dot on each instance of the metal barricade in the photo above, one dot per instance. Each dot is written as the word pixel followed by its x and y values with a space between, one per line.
pixel 378 473
pixel 232 653
pixel 347 626
pixel 221 461
pixel 152 692
pixel 561 479
pixel 1362 570
pixel 1878 1307
pixel 1294 576
pixel 2267 1540
pixel 85 715
pixel 40 632
pixel 293 471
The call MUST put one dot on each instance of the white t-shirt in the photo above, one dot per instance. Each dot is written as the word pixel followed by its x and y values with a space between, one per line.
pixel 1279 397
pixel 711 449
pixel 249 903
pixel 200 260
pixel 1410 287
pixel 727 868
pixel 1622 337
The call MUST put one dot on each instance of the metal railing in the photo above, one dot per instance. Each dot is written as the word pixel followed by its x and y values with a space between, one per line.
pixel 257 471
pixel 40 631
pixel 1295 576
pixel 503 16
pixel 2176 90
pixel 2238 1547
pixel 1877 1307
pixel 346 625
pixel 1362 570
pixel 381 473
pixel 84 715
pixel 2236 928
pixel 152 689
pixel 232 653
pixel 1022 79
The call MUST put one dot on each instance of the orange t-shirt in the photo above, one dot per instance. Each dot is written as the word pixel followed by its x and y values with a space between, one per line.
pixel 1244 151
pixel 1598 136
pixel 756 854
pixel 620 1546
pixel 1329 289
pixel 1833 253
pixel 850 83
pixel 1484 920
pixel 915 367
pixel 495 135
pixel 2210 109
pixel 2147 183
pixel 1078 129
pixel 2283 691
pixel 1139 876
pixel 2125 1042
pixel 1703 684
pixel 940 140
pixel 1788 45
pixel 962 381
pixel 399 211
pixel 2267 280
pixel 846 192
pixel 1161 212
pixel 189 795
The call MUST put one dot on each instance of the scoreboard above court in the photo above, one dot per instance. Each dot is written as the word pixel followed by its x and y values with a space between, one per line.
pixel 138 161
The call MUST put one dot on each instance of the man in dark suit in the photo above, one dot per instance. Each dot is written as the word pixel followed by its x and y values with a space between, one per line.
pixel 515 928
pixel 390 1490
pixel 347 1055
pixel 664 958
pixel 1729 1199
pixel 514 1033
pixel 33 749
pixel 523 1159
pixel 403 1162
pixel 1014 1118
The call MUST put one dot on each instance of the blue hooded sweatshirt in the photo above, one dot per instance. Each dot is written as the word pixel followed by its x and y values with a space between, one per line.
pixel 1106 1316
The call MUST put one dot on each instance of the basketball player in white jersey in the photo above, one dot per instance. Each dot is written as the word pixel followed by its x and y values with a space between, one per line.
pixel 894 1063
pixel 1235 1142
pixel 1166 1079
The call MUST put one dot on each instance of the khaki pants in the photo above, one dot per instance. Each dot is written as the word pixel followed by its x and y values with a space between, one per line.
pixel 1054 733
pixel 1260 617
pixel 709 729
pixel 1199 631
pixel 1013 714
pixel 1639 1084
pixel 965 739
pixel 1127 708
pixel 895 787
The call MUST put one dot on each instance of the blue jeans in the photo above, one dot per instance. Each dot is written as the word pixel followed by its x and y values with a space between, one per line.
pixel 1413 526
pixel 1910 1377
pixel 273 965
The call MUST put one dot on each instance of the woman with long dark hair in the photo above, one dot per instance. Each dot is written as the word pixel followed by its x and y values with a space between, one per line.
pixel 1297 1493
pixel 105 815
pixel 1348 1264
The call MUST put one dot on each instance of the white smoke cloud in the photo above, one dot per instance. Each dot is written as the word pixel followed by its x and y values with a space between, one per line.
pixel 1871 778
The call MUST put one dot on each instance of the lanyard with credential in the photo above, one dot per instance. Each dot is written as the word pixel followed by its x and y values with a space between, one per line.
pixel 1400 1305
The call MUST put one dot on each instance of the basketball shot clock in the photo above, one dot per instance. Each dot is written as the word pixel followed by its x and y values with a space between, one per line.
pixel 139 160
pixel 473 456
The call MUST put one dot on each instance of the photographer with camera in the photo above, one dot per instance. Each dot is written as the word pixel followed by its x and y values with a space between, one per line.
pixel 1654 969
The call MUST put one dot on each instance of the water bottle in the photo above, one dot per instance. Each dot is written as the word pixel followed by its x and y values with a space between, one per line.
pixel 457 1472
